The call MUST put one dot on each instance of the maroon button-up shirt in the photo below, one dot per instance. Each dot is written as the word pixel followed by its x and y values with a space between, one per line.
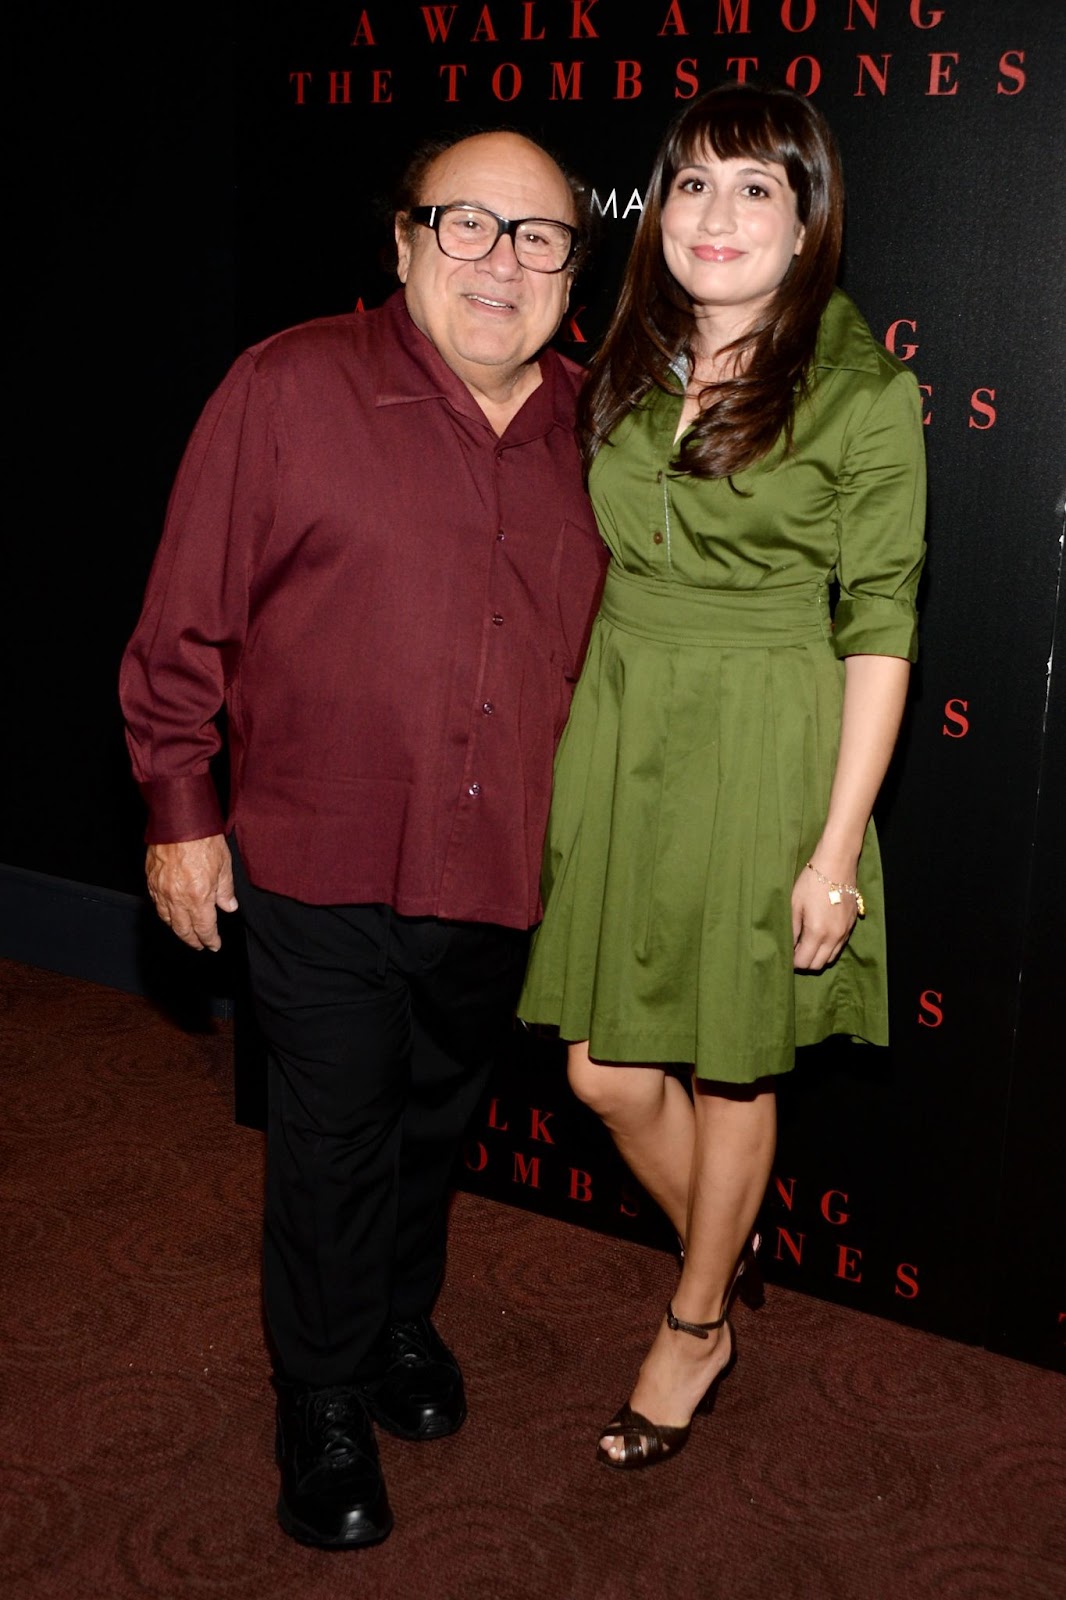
pixel 393 604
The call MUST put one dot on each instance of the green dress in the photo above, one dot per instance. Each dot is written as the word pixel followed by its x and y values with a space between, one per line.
pixel 692 780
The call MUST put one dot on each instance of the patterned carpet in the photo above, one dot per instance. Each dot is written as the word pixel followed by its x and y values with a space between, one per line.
pixel 847 1459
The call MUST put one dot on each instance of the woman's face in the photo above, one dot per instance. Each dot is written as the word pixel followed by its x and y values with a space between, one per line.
pixel 729 232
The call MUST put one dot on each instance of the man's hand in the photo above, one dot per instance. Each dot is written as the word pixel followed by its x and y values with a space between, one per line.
pixel 187 882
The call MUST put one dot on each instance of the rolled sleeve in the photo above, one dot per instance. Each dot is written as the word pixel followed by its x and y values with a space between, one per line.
pixel 881 504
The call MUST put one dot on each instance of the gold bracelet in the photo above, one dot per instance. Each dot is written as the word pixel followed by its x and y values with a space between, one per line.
pixel 837 889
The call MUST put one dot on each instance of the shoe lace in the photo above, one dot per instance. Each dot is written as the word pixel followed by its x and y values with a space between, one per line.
pixel 333 1417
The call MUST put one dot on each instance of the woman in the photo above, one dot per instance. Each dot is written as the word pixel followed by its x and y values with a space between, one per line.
pixel 749 444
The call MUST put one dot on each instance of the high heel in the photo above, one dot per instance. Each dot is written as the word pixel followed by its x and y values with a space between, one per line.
pixel 646 1443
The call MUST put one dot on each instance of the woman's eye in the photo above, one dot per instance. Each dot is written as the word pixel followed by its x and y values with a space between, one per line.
pixel 692 186
pixel 755 190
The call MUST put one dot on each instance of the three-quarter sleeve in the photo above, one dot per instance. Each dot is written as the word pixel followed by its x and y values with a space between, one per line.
pixel 881 504
pixel 187 644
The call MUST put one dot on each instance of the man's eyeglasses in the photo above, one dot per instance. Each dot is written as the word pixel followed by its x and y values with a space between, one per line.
pixel 469 233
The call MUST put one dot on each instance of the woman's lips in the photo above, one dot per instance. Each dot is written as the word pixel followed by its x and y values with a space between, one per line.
pixel 716 252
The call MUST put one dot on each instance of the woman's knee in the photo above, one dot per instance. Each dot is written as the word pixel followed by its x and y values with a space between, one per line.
pixel 610 1091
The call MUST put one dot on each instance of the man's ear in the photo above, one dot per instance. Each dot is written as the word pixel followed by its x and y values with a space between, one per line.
pixel 403 245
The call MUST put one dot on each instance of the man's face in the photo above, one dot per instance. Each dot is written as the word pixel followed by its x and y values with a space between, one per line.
pixel 487 318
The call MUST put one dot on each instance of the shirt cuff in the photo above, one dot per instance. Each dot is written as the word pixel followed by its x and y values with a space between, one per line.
pixel 875 625
pixel 180 809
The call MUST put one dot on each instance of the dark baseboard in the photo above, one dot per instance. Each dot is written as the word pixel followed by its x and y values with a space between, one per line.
pixel 108 937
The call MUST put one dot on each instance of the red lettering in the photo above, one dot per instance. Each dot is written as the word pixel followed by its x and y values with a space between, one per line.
pixel 476 1157
pixel 932 21
pixel 788 1195
pixel 573 330
pixel 301 80
pixel 538 1125
pixel 438 26
pixel 793 1246
pixel 927 389
pixel 847 1260
pixel 483 28
pixel 381 86
pixel 953 710
pixel 868 9
pixel 837 1218
pixel 942 64
pixel 814 74
pixel 494 1115
pixel 731 11
pixel 566 83
pixel 340 88
pixel 580 1185
pixel 929 1000
pixel 787 8
pixel 742 63
pixel 580 26
pixel 673 15
pixel 363 31
pixel 891 345
pixel 359 306
pixel 983 408
pixel 450 74
pixel 628 1205
pixel 526 1171
pixel 627 84
pixel 907 1281
pixel 686 75
pixel 527 21
pixel 1010 65
pixel 879 76
pixel 498 81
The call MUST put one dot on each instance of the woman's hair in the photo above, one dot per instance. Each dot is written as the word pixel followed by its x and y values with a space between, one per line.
pixel 654 326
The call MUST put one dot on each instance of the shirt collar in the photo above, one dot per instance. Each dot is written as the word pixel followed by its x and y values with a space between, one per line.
pixel 410 369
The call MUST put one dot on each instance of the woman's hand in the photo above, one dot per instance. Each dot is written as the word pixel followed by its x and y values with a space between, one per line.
pixel 820 930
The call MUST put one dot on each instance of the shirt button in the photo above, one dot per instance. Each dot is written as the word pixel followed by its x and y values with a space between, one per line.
pixel 656 537
pixel 501 536
pixel 488 708
pixel 474 790
pixel 497 620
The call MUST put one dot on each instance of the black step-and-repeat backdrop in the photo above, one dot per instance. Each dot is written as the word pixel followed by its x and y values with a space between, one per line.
pixel 186 197
pixel 889 1189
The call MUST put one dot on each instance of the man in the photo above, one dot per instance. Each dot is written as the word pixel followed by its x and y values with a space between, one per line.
pixel 379 556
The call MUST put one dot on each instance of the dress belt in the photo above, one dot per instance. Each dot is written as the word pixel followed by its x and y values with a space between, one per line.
pixel 680 613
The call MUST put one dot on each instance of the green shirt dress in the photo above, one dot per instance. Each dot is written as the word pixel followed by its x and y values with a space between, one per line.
pixel 693 776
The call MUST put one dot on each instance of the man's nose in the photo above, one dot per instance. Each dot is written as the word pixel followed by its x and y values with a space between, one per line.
pixel 501 259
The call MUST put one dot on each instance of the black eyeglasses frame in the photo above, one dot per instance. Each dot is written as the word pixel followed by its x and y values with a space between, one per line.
pixel 429 217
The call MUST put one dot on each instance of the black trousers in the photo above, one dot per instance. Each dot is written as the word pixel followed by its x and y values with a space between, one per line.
pixel 381 1031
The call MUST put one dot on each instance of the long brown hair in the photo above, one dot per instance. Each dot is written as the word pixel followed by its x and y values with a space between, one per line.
pixel 653 326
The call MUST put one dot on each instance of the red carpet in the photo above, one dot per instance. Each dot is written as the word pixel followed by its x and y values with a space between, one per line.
pixel 847 1459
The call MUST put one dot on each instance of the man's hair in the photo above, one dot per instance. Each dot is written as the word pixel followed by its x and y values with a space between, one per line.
pixel 654 328
pixel 410 187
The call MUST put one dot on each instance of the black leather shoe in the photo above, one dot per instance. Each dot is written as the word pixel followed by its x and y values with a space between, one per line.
pixel 420 1395
pixel 332 1491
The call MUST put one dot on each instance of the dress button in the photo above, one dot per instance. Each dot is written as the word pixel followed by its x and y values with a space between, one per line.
pixel 474 789
pixel 497 620
pixel 659 477
pixel 656 537
pixel 488 708
pixel 501 536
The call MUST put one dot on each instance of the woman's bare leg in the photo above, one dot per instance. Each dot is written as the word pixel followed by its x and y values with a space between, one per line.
pixel 735 1135
pixel 650 1118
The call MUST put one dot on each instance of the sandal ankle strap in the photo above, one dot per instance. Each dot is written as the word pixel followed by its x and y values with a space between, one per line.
pixel 699 1330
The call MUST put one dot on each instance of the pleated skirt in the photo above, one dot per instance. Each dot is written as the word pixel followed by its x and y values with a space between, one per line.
pixel 691 787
